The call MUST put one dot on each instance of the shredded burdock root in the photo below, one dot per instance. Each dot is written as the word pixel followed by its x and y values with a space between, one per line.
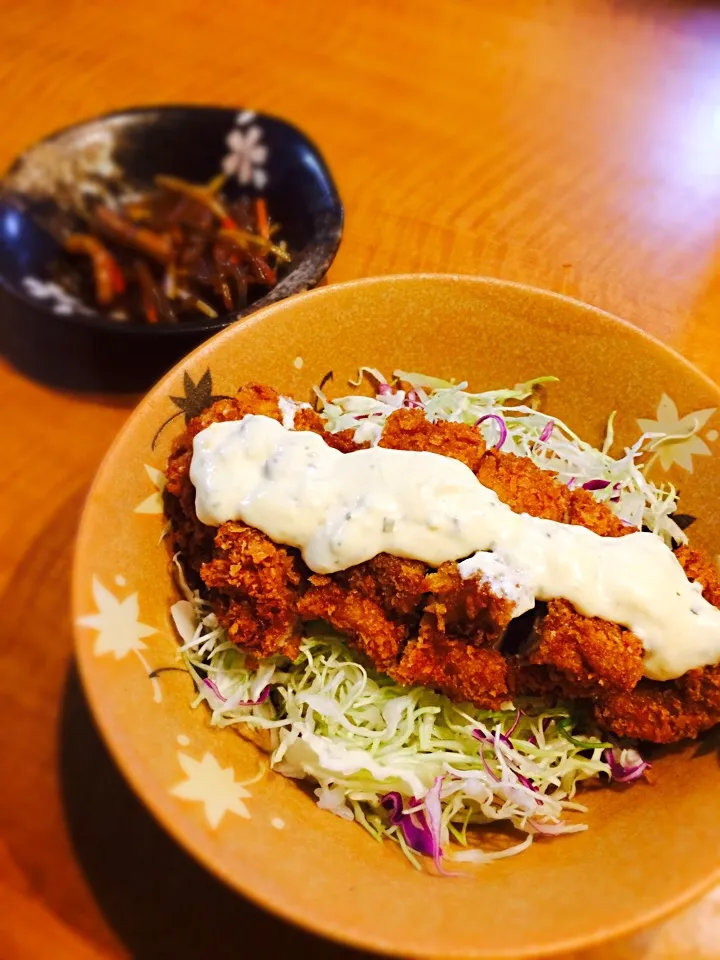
pixel 179 251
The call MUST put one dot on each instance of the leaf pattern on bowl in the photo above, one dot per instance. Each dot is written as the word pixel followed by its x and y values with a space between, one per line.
pixel 683 520
pixel 683 442
pixel 154 503
pixel 119 628
pixel 121 632
pixel 214 786
pixel 197 397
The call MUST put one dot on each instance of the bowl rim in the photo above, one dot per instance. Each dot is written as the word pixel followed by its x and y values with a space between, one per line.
pixel 94 320
pixel 214 864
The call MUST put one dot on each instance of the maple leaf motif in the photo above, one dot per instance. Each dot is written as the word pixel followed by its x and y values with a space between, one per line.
pixel 213 786
pixel 682 442
pixel 119 630
pixel 153 503
pixel 683 520
pixel 198 397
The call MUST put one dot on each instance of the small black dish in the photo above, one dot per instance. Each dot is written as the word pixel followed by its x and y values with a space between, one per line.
pixel 69 344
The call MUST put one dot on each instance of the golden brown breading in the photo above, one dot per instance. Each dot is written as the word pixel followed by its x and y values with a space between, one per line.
pixel 701 688
pixel 698 566
pixel 452 652
pixel 588 658
pixel 585 511
pixel 411 430
pixel 432 627
pixel 589 652
pixel 523 486
pixel 460 670
pixel 188 536
pixel 364 622
pixel 255 586
pixel 466 608
pixel 253 582
pixel 653 711
pixel 251 398
pixel 666 712
pixel 309 420
pixel 535 680
pixel 344 441
pixel 582 655
pixel 396 584
pixel 377 604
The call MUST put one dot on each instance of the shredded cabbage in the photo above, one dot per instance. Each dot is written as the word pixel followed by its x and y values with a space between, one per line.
pixel 360 737
pixel 333 720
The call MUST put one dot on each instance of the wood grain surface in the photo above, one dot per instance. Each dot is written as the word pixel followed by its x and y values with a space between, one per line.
pixel 570 144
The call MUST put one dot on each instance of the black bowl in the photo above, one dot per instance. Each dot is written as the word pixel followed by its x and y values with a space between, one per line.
pixel 69 344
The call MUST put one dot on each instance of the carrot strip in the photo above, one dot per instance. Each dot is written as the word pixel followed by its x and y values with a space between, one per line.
pixel 147 291
pixel 104 266
pixel 263 271
pixel 118 278
pixel 158 245
pixel 261 213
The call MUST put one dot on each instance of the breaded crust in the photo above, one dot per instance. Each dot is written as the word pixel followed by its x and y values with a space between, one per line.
pixel 433 627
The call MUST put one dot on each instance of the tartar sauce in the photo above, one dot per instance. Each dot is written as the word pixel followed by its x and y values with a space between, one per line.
pixel 342 509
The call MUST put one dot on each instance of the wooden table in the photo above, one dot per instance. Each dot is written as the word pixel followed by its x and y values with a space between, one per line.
pixel 570 144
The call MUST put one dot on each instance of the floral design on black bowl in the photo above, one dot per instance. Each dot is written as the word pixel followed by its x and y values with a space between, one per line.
pixel 65 341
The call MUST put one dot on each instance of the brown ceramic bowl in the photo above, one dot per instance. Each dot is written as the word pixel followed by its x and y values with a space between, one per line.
pixel 649 849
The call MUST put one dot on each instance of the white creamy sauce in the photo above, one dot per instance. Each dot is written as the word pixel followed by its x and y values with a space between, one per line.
pixel 368 432
pixel 288 409
pixel 503 579
pixel 342 509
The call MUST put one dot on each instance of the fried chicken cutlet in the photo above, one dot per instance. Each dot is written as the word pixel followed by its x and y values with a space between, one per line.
pixel 434 627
